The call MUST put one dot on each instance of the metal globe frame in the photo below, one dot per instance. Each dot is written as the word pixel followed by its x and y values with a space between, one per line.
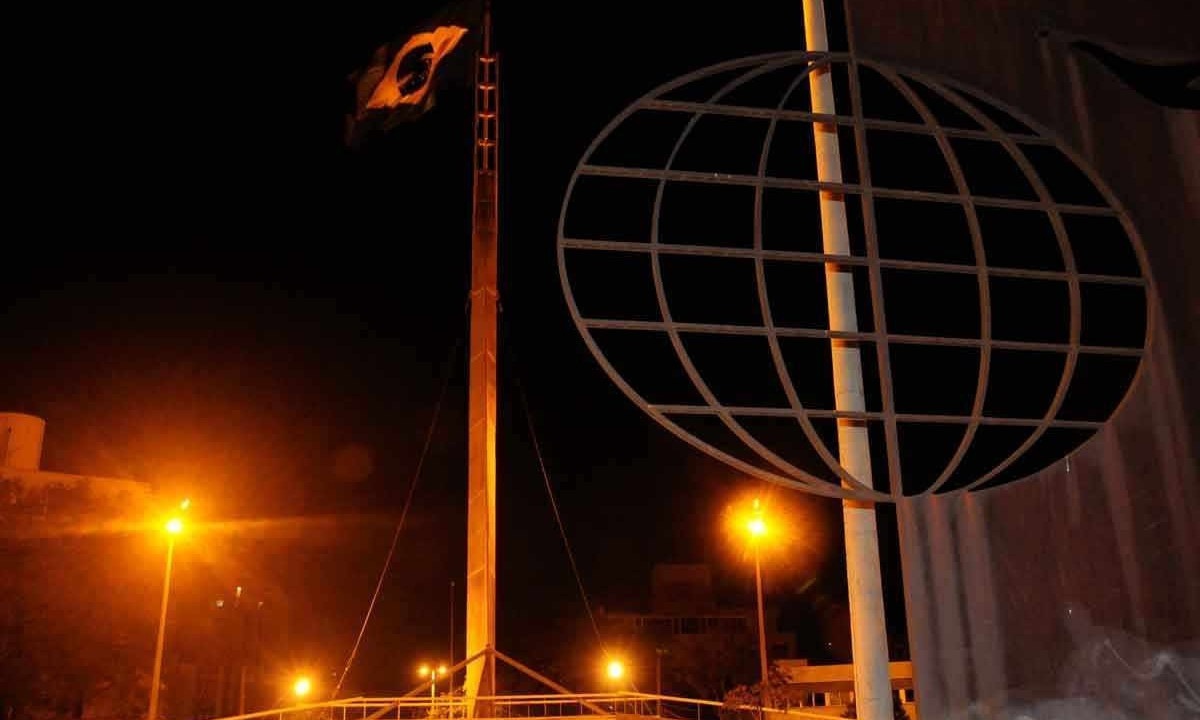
pixel 962 97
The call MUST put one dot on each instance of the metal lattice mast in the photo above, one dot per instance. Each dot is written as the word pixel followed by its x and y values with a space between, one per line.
pixel 481 432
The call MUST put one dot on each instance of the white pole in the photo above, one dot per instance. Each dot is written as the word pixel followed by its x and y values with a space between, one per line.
pixel 156 675
pixel 868 631
pixel 764 688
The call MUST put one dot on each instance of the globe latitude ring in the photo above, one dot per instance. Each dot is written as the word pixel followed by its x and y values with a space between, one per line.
pixel 986 124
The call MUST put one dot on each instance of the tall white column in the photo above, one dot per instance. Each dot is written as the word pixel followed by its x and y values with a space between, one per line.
pixel 868 630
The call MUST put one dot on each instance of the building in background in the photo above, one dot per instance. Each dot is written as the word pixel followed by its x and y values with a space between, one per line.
pixel 829 689
pixel 35 500
pixel 82 582
pixel 697 646
pixel 80 585
pixel 701 648
pixel 230 657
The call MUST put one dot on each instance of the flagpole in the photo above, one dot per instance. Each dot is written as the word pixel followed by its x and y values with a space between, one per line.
pixel 868 629
pixel 482 407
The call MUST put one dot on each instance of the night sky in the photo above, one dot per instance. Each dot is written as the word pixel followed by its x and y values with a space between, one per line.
pixel 206 290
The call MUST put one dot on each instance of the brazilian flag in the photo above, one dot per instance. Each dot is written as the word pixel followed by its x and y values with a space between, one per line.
pixel 399 84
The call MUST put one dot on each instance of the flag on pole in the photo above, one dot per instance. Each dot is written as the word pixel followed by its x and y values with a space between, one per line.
pixel 399 84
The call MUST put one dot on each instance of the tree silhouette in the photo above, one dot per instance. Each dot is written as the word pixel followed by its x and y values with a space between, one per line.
pixel 898 711
pixel 743 695
pixel 709 666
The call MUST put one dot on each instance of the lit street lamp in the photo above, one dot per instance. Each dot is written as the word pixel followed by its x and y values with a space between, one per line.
pixel 302 687
pixel 757 527
pixel 173 528
pixel 615 670
pixel 427 671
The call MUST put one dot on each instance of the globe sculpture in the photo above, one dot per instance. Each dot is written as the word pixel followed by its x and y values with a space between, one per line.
pixel 1002 294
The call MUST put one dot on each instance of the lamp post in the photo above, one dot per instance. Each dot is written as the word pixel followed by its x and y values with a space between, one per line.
pixel 614 670
pixel 173 527
pixel 757 527
pixel 658 656
pixel 432 673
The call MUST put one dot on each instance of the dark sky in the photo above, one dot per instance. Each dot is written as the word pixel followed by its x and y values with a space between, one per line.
pixel 206 290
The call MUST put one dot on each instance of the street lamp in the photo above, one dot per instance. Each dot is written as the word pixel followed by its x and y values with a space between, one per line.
pixel 428 671
pixel 756 526
pixel 615 670
pixel 302 687
pixel 173 528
